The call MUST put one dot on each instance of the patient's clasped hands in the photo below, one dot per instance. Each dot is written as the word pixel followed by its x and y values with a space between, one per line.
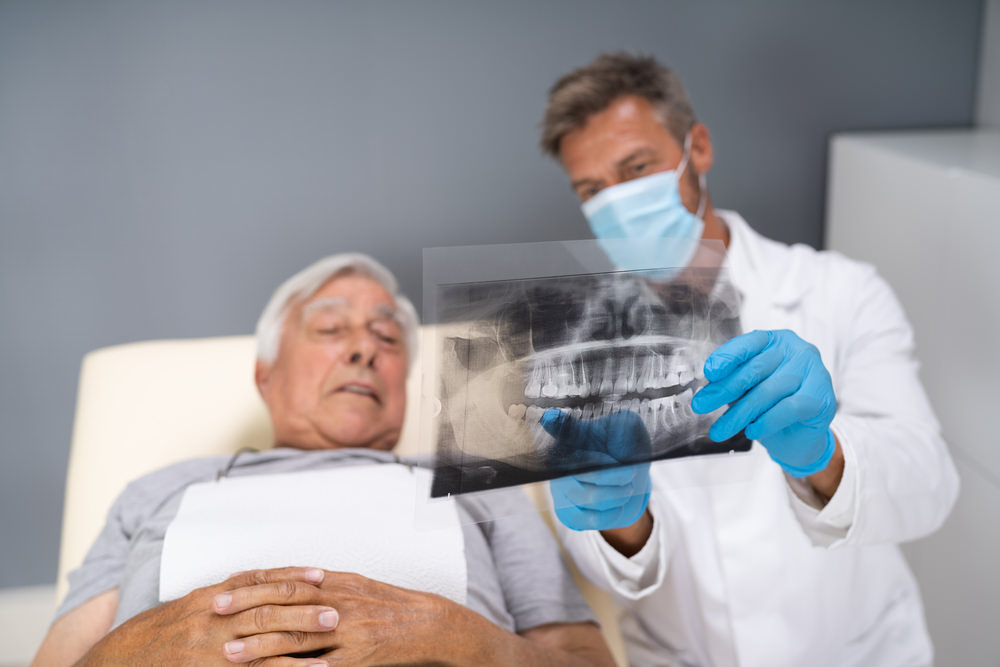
pixel 372 622
pixel 340 618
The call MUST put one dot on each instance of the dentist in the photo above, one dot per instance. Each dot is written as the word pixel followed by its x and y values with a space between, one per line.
pixel 788 555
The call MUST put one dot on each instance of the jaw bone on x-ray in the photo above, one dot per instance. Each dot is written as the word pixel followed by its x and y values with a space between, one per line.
pixel 512 340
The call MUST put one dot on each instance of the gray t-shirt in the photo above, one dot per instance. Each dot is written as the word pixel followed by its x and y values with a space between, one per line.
pixel 516 575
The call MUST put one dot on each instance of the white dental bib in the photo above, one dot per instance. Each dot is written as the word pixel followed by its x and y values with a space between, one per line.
pixel 357 518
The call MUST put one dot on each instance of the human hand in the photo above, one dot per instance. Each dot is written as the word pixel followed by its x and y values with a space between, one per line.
pixel 377 623
pixel 779 393
pixel 603 499
pixel 187 631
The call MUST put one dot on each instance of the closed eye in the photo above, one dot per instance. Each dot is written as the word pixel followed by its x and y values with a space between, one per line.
pixel 385 332
pixel 386 338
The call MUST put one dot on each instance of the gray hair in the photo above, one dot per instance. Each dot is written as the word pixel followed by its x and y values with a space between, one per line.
pixel 588 90
pixel 306 282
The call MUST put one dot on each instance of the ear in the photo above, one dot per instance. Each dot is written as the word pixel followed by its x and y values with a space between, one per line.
pixel 262 377
pixel 702 156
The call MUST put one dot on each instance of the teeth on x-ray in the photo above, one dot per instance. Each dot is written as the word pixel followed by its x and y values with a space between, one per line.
pixel 618 373
pixel 659 414
pixel 589 346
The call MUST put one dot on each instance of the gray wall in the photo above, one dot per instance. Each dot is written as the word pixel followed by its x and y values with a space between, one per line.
pixel 988 90
pixel 163 165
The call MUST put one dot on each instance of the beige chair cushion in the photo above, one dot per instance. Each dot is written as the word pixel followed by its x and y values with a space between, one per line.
pixel 144 405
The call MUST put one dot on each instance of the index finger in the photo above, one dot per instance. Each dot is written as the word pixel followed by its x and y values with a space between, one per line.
pixel 570 460
pixel 611 477
pixel 734 353
pixel 286 592
pixel 310 575
pixel 268 582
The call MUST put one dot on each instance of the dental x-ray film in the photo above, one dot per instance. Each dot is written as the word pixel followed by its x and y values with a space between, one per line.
pixel 545 360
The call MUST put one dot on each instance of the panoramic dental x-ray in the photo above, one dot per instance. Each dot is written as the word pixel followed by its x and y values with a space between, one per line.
pixel 609 349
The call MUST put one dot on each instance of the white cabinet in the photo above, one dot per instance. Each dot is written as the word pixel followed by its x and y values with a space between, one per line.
pixel 924 208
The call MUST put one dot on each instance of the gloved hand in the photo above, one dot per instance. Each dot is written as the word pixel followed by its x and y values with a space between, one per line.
pixel 602 499
pixel 780 394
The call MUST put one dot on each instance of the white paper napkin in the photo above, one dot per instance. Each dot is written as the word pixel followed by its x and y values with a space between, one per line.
pixel 350 519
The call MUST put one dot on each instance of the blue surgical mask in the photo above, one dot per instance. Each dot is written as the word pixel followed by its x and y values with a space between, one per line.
pixel 649 207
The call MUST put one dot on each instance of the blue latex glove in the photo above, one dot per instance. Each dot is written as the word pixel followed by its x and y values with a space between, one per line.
pixel 602 499
pixel 780 394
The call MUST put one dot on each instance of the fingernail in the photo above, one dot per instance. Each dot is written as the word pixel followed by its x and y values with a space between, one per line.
pixel 328 619
pixel 234 647
pixel 222 601
pixel 314 575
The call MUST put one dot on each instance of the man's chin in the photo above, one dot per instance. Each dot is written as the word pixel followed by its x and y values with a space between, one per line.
pixel 358 435
pixel 341 429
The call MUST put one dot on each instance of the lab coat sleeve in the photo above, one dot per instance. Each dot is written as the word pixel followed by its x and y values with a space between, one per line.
pixel 826 522
pixel 626 578
pixel 900 482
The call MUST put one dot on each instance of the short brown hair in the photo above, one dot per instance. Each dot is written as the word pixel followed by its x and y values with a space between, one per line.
pixel 591 89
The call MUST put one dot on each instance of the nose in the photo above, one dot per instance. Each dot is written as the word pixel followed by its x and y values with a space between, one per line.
pixel 361 350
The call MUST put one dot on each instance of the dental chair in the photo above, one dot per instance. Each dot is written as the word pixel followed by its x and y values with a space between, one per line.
pixel 141 406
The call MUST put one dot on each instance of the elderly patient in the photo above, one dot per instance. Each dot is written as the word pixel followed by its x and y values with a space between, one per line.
pixel 334 345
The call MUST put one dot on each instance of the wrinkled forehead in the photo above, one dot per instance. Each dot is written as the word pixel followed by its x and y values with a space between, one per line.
pixel 346 306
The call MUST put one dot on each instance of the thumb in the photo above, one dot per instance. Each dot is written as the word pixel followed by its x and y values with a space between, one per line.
pixel 627 437
pixel 573 433
pixel 579 441
pixel 556 423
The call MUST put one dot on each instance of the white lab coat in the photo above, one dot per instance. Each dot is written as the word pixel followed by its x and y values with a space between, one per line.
pixel 742 567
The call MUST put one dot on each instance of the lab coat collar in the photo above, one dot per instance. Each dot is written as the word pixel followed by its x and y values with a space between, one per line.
pixel 756 260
